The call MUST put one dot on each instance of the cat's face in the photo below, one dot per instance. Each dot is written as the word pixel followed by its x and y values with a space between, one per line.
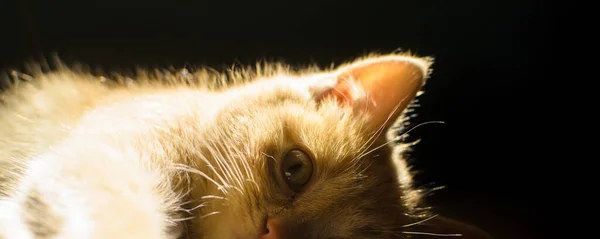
pixel 300 158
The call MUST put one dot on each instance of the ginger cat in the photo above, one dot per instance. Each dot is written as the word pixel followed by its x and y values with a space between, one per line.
pixel 270 153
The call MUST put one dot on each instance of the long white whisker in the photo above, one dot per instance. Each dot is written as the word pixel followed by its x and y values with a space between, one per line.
pixel 219 162
pixel 224 166
pixel 210 214
pixel 434 234
pixel 212 197
pixel 379 130
pixel 198 172
pixel 247 167
pixel 419 222
pixel 189 211
pixel 222 187
pixel 239 177
pixel 398 137
pixel 424 123
pixel 181 219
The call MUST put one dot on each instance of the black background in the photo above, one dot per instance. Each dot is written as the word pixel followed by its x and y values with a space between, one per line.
pixel 486 82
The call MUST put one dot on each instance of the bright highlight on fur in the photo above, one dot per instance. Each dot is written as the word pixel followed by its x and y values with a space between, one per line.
pixel 268 153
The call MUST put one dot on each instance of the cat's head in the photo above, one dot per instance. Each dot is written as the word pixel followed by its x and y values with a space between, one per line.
pixel 308 155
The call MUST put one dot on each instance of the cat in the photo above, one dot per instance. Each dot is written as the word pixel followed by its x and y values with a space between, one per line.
pixel 262 153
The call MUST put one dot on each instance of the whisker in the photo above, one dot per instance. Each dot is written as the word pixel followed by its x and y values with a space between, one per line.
pixel 233 167
pixel 398 137
pixel 221 165
pixel 424 123
pixel 376 148
pixel 269 156
pixel 198 172
pixel 254 183
pixel 434 234
pixel 181 219
pixel 190 211
pixel 379 130
pixel 210 214
pixel 239 173
pixel 212 197
pixel 247 170
pixel 419 222
pixel 208 163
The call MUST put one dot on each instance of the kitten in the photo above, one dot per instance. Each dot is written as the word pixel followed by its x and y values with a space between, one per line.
pixel 265 154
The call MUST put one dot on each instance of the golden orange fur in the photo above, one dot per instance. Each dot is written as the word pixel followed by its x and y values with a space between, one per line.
pixel 197 154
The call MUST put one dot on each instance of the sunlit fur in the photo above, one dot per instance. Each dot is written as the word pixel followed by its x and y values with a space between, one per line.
pixel 196 154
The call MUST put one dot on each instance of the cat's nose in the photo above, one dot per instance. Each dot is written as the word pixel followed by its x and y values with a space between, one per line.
pixel 273 230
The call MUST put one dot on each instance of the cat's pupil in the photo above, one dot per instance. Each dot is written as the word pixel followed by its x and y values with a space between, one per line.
pixel 293 169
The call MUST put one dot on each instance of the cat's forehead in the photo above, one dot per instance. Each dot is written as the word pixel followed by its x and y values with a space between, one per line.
pixel 277 120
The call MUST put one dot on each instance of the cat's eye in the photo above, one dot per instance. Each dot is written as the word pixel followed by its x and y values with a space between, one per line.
pixel 297 169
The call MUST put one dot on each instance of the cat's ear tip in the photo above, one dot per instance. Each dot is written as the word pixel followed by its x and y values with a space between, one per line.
pixel 422 63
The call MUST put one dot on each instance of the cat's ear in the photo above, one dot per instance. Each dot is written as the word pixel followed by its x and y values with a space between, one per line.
pixel 440 225
pixel 383 86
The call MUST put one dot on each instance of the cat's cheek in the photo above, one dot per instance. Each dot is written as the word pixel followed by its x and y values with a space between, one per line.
pixel 217 228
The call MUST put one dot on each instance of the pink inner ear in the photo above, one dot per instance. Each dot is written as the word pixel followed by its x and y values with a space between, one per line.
pixel 383 86
pixel 346 91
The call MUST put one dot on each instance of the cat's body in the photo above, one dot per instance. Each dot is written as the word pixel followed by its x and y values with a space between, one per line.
pixel 84 158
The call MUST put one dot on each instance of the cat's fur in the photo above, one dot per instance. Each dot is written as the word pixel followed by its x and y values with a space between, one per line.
pixel 196 155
